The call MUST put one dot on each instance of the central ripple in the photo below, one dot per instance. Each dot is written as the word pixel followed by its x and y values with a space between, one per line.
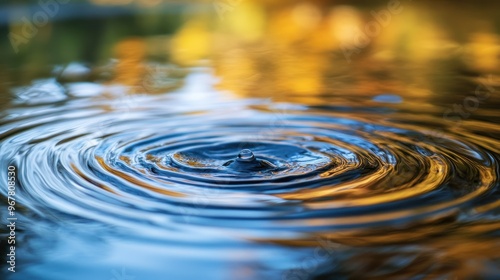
pixel 247 162
pixel 266 161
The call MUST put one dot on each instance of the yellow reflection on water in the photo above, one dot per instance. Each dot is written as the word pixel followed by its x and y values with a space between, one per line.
pixel 130 54
pixel 300 52
pixel 191 43
pixel 484 50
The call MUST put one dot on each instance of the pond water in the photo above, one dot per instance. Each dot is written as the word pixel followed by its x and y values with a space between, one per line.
pixel 254 141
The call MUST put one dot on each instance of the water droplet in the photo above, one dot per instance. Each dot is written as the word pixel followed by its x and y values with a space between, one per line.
pixel 246 155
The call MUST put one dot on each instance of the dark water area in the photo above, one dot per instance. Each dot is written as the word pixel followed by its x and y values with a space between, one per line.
pixel 251 140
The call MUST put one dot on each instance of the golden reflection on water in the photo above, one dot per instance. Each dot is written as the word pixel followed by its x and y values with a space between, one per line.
pixel 130 54
pixel 303 52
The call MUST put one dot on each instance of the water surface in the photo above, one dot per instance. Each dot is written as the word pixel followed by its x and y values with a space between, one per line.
pixel 249 151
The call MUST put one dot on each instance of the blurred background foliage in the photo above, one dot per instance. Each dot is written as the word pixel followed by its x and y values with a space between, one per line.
pixel 261 48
